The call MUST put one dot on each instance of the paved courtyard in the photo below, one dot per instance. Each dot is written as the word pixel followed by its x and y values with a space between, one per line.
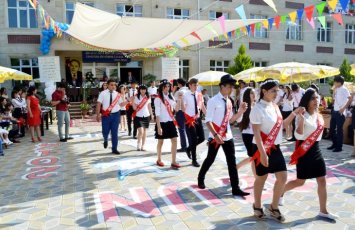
pixel 80 185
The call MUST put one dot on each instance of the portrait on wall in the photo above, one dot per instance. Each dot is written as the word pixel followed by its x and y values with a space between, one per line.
pixel 73 69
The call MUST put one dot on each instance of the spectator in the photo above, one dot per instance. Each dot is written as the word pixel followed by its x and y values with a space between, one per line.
pixel 3 93
pixel 34 113
pixel 206 97
pixel 19 105
pixel 323 102
pixel 287 108
pixel 123 112
pixel 103 87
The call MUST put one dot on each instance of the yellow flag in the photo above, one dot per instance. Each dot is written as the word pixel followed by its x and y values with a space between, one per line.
pixel 265 24
pixel 184 40
pixel 332 4
pixel 293 16
pixel 271 4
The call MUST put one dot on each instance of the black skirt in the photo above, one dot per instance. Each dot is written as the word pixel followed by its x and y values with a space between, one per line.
pixel 312 164
pixel 276 162
pixel 169 130
pixel 140 122
pixel 123 112
pixel 248 142
pixel 285 114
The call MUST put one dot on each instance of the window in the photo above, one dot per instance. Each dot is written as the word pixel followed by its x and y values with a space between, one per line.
pixel 259 63
pixel 350 34
pixel 324 35
pixel 129 10
pixel 184 69
pixel 294 30
pixel 260 32
pixel 214 15
pixel 219 65
pixel 29 66
pixel 21 14
pixel 70 8
pixel 178 13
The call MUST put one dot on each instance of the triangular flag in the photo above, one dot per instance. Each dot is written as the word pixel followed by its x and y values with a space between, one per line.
pixel 252 29
pixel 339 18
pixel 271 21
pixel 225 35
pixel 309 12
pixel 184 40
pixel 258 26
pixel 176 45
pixel 344 4
pixel 311 22
pixel 244 30
pixel 196 36
pixel 233 33
pixel 237 33
pixel 320 8
pixel 321 19
pixel 221 22
pixel 277 21
pixel 293 16
pixel 299 14
pixel 265 24
pixel 354 2
pixel 332 4
pixel 229 35
pixel 271 4
pixel 240 10
pixel 283 19
pixel 209 27
pixel 248 29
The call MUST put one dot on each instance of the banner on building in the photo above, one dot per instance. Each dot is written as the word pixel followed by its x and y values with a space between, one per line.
pixel 170 68
pixel 49 69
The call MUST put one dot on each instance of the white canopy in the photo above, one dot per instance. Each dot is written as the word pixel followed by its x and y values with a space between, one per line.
pixel 109 31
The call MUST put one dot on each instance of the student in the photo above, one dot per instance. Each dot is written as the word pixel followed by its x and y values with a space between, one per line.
pixel 287 108
pixel 123 112
pixel 307 156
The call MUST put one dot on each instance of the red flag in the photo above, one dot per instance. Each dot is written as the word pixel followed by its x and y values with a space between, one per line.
pixel 196 36
pixel 309 12
pixel 277 21
pixel 252 29
pixel 338 18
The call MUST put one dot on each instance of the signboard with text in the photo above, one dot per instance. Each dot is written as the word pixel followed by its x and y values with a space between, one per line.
pixel 170 68
pixel 104 57
pixel 49 69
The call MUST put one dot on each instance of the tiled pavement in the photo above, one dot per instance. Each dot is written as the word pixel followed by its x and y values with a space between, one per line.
pixel 73 185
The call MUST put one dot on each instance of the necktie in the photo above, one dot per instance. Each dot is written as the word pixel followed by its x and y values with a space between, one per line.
pixel 110 97
pixel 225 109
pixel 133 93
pixel 74 76
pixel 196 110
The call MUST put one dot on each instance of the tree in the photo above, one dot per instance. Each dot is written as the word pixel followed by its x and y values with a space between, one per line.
pixel 345 69
pixel 241 62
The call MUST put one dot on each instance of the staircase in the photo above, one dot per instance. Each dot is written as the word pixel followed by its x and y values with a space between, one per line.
pixel 75 111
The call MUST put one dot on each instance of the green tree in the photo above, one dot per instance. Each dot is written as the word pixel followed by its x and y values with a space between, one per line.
pixel 345 69
pixel 241 62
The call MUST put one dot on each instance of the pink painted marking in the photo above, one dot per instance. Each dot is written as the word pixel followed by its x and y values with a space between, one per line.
pixel 172 198
pixel 44 161
pixel 203 194
pixel 41 173
pixel 338 169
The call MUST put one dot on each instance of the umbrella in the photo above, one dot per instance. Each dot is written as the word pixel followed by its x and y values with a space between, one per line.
pixel 249 75
pixel 12 74
pixel 352 72
pixel 209 78
pixel 296 72
pixel 350 86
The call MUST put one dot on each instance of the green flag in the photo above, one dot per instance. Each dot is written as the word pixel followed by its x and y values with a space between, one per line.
pixel 320 8
pixel 322 21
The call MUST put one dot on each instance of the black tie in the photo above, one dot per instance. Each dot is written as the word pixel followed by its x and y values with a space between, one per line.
pixel 133 93
pixel 196 110
pixel 225 109
pixel 110 97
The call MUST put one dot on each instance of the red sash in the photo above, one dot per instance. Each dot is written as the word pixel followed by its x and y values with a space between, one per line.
pixel 167 107
pixel 139 107
pixel 222 130
pixel 269 140
pixel 190 121
pixel 302 149
pixel 106 113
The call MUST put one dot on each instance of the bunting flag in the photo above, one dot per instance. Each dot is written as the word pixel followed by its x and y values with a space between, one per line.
pixel 309 12
pixel 240 10
pixel 321 19
pixel 252 29
pixel 300 14
pixel 265 24
pixel 184 40
pixel 258 26
pixel 221 22
pixel 244 30
pixel 277 21
pixel 271 22
pixel 230 35
pixel 344 4
pixel 196 36
pixel 293 16
pixel 320 8
pixel 283 19
pixel 237 33
pixel 332 4
pixel 311 23
pixel 271 4
pixel 338 18
pixel 248 29
pixel 354 2
pixel 209 27
pixel 233 34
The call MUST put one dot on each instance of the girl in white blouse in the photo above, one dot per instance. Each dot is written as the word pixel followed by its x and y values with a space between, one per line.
pixel 311 164
pixel 123 113
pixel 287 108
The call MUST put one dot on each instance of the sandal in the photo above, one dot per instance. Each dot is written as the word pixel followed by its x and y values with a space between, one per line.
pixel 258 213
pixel 276 214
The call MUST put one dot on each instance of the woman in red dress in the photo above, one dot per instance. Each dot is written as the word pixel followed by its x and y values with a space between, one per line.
pixel 33 113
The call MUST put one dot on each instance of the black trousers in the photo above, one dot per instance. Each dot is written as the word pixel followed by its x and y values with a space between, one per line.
pixel 196 136
pixel 129 121
pixel 336 129
pixel 229 151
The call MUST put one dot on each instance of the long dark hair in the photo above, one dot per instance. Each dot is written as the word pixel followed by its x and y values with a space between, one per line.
pixel 139 91
pixel 244 124
pixel 269 84
pixel 307 97
pixel 160 91
pixel 31 90
pixel 288 91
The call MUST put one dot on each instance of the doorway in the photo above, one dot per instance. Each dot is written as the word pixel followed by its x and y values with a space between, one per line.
pixel 136 74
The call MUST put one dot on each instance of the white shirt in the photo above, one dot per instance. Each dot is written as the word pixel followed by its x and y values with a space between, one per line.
pixel 190 103
pixel 132 92
pixel 160 109
pixel 341 96
pixel 279 96
pixel 297 97
pixel 182 90
pixel 310 125
pixel 18 102
pixel 287 105
pixel 144 112
pixel 264 114
pixel 104 99
pixel 152 90
pixel 215 114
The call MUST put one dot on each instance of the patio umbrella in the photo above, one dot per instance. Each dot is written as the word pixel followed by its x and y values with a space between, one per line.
pixel 352 72
pixel 209 78
pixel 296 72
pixel 350 86
pixel 249 75
pixel 12 74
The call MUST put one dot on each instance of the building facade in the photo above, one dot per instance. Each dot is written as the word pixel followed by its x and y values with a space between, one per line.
pixel 20 37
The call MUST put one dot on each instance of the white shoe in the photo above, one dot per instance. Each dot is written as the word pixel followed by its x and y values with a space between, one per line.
pixel 329 215
pixel 281 201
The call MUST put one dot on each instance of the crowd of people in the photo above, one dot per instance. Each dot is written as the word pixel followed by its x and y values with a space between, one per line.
pixel 261 113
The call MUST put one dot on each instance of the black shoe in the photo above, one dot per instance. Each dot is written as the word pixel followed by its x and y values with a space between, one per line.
pixel 134 137
pixel 292 139
pixel 181 150
pixel 331 147
pixel 188 152
pixel 129 133
pixel 69 138
pixel 239 192
pixel 105 144
pixel 63 140
pixel 195 164
pixel 337 150
pixel 116 152
pixel 201 184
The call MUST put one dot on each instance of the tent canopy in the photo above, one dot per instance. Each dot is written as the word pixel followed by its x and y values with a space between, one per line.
pixel 109 31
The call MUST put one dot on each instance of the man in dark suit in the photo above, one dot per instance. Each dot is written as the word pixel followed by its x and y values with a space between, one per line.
pixel 74 76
